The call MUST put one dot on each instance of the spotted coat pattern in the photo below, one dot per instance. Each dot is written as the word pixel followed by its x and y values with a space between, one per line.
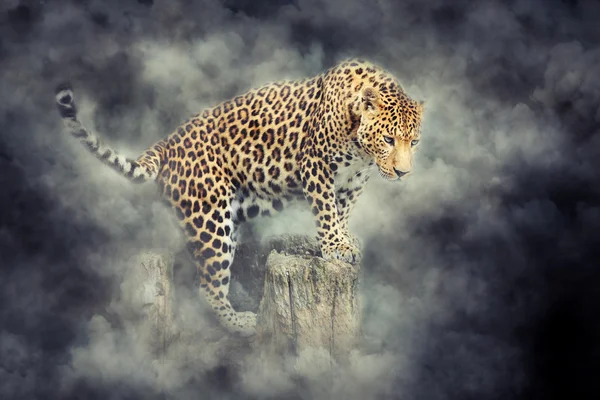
pixel 316 139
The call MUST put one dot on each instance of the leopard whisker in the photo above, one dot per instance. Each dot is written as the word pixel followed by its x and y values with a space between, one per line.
pixel 362 170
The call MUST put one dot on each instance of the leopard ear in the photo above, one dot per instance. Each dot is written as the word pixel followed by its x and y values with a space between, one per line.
pixel 369 99
pixel 422 103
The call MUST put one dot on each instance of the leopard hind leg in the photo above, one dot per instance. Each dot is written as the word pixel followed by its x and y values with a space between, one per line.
pixel 211 235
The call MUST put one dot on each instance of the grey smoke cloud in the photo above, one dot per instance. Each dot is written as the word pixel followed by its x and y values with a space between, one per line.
pixel 462 261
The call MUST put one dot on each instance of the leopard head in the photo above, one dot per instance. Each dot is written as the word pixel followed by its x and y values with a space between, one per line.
pixel 389 129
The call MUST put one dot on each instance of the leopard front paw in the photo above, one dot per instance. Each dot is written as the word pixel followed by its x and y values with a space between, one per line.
pixel 343 251
pixel 353 240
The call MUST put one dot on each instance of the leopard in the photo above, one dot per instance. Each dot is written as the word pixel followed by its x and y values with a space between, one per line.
pixel 316 139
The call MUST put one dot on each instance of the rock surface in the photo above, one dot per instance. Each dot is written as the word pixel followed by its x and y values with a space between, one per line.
pixel 306 303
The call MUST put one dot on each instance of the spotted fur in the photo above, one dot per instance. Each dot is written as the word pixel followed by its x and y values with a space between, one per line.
pixel 316 139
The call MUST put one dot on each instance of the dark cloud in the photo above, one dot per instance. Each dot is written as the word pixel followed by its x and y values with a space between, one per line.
pixel 480 271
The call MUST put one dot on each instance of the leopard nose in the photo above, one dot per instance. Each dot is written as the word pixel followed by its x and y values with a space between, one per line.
pixel 400 173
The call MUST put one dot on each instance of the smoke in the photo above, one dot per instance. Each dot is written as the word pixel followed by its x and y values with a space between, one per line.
pixel 479 270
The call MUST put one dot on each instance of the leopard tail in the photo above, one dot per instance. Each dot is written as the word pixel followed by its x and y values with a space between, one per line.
pixel 144 168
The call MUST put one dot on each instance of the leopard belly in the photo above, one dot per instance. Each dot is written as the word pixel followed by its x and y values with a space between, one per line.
pixel 263 201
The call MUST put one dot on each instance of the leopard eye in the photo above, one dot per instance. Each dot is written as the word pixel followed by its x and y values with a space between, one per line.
pixel 389 140
pixel 414 142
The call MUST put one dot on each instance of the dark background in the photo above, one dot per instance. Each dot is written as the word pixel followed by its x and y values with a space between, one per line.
pixel 481 274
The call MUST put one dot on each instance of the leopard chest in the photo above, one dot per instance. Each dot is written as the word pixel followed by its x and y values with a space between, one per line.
pixel 351 174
